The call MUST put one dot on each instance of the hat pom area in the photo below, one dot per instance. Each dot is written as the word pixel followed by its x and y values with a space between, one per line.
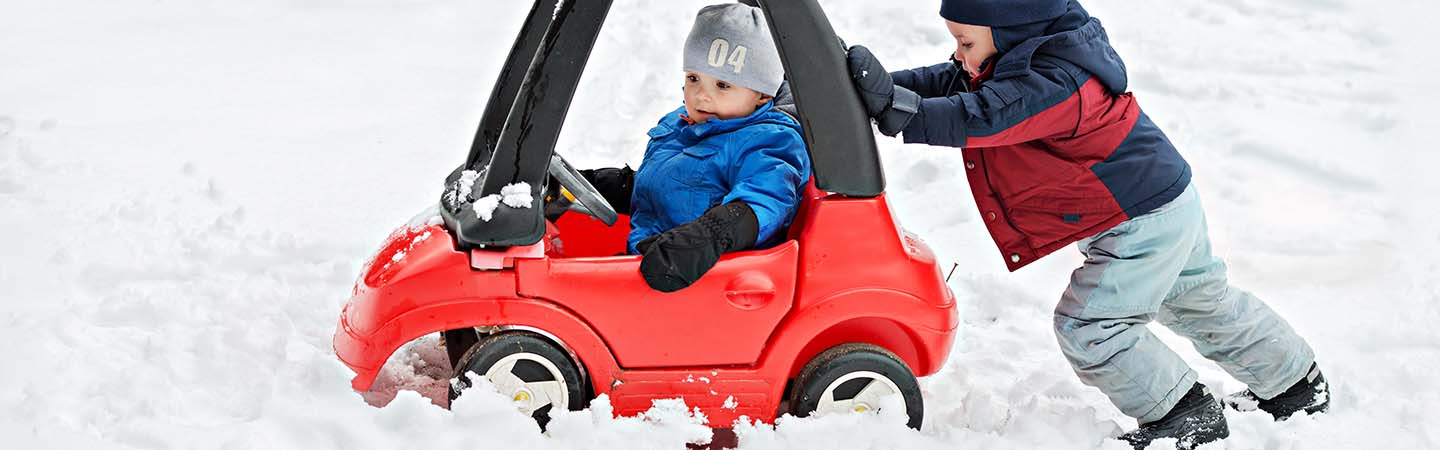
pixel 1001 13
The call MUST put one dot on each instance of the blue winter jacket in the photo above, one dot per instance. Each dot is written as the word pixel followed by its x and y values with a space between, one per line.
pixel 688 169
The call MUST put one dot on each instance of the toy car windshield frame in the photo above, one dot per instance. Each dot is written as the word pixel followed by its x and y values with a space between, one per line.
pixel 530 98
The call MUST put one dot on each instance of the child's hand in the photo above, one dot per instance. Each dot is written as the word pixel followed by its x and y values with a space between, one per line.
pixel 876 88
pixel 676 258
pixel 891 106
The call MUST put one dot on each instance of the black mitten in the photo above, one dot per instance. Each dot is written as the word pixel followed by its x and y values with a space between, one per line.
pixel 892 106
pixel 676 258
pixel 615 184
pixel 871 79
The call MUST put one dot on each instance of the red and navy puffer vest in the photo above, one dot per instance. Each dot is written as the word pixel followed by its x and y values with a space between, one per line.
pixel 1055 149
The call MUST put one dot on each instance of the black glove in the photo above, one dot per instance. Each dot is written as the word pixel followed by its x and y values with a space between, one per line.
pixel 616 185
pixel 892 106
pixel 675 259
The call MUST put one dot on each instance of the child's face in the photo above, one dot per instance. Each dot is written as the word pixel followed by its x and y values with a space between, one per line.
pixel 973 45
pixel 707 98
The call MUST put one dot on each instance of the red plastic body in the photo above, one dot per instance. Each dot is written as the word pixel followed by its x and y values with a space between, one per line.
pixel 848 274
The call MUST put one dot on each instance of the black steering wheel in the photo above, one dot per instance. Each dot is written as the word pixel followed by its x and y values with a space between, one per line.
pixel 578 194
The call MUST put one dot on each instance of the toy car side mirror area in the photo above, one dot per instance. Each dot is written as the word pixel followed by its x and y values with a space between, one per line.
pixel 465 214
pixel 474 221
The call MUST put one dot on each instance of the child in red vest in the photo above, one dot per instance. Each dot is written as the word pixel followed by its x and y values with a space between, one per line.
pixel 1057 152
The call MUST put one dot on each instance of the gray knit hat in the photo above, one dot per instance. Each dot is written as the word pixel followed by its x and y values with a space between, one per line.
pixel 732 42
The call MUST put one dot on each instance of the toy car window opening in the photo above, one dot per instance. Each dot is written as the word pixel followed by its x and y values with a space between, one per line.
pixel 521 123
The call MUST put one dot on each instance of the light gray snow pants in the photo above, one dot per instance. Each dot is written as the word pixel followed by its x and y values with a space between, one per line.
pixel 1158 266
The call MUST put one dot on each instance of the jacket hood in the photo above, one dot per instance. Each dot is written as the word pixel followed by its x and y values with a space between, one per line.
pixel 1074 37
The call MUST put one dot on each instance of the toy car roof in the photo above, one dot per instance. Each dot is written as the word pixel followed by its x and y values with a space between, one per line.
pixel 529 100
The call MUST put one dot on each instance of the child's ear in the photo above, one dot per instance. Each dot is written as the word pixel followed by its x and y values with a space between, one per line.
pixel 763 99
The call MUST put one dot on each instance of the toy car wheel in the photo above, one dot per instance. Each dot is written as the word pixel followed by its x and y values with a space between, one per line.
pixel 524 367
pixel 854 378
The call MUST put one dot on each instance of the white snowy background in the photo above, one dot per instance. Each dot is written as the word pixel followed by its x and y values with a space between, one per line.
pixel 188 188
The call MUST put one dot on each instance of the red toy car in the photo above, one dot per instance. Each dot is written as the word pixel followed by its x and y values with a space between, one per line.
pixel 849 310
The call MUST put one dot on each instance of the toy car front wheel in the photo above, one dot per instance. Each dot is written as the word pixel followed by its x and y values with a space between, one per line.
pixel 524 367
pixel 853 378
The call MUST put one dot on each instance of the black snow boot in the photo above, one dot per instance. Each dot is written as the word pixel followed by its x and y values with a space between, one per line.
pixel 1196 419
pixel 1311 395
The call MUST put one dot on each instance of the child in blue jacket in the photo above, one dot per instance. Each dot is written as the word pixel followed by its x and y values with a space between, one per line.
pixel 1058 152
pixel 725 171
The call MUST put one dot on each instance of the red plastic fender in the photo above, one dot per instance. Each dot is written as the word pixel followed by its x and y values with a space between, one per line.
pixel 919 333
pixel 419 284
pixel 366 354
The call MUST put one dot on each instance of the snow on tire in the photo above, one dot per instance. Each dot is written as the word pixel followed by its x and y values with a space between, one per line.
pixel 526 368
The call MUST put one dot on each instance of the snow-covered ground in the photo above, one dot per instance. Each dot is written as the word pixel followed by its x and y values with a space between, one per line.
pixel 188 188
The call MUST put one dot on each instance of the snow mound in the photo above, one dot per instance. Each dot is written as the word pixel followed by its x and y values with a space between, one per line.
pixel 485 206
pixel 516 195
pixel 466 183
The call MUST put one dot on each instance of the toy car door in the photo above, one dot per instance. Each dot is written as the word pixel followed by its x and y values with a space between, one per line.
pixel 725 318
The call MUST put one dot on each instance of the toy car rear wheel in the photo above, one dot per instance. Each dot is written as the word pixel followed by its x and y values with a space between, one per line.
pixel 853 378
pixel 525 367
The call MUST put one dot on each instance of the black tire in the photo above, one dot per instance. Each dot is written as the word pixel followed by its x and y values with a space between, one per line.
pixel 492 349
pixel 841 360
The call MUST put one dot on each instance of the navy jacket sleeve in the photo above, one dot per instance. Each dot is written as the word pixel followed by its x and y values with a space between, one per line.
pixel 1038 104
pixel 770 174
pixel 932 81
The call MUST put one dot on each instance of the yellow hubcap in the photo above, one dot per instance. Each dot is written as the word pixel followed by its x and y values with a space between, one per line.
pixel 522 397
pixel 861 408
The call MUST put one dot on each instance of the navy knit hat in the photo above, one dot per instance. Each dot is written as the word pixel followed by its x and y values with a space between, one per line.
pixel 1001 13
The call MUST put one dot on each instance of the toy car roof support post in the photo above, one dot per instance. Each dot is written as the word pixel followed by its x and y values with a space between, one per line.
pixel 837 132
pixel 507 85
pixel 522 150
